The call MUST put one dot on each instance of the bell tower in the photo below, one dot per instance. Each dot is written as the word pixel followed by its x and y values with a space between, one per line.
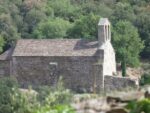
pixel 104 33
pixel 104 44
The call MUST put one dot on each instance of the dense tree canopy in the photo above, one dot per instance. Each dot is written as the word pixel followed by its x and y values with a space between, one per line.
pixel 143 24
pixel 127 43
pixel 85 27
pixel 52 28
pixel 123 11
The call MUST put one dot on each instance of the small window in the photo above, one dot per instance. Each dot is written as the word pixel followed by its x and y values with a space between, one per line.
pixel 106 33
pixel 53 68
pixel 53 63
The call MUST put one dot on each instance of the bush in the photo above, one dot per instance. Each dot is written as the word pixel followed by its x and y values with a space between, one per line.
pixel 142 106
pixel 145 79
pixel 47 100
pixel 24 102
pixel 12 100
pixel 54 95
pixel 55 109
pixel 55 99
pixel 7 87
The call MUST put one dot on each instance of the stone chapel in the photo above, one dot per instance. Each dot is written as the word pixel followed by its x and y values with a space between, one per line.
pixel 84 65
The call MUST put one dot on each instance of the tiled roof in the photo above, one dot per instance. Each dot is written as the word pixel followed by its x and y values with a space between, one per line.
pixel 55 47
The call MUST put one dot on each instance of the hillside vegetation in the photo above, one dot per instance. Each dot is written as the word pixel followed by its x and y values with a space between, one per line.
pixel 46 99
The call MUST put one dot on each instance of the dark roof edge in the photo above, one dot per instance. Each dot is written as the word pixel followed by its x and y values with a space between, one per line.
pixel 7 54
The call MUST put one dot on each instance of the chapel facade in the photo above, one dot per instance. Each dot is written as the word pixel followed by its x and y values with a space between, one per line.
pixel 84 65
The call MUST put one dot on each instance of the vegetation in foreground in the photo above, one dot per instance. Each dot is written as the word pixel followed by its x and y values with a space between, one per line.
pixel 48 100
pixel 142 106
pixel 45 100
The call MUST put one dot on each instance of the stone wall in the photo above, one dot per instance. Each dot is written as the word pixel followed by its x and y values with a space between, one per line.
pixel 112 83
pixel 4 68
pixel 79 73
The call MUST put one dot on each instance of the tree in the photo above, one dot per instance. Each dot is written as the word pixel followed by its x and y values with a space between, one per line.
pixel 8 30
pixel 95 7
pixel 52 28
pixel 2 42
pixel 123 11
pixel 85 27
pixel 127 44
pixel 143 24
pixel 64 9
pixel 31 20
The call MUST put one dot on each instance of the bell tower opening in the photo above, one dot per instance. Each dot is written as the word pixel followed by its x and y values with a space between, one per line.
pixel 104 33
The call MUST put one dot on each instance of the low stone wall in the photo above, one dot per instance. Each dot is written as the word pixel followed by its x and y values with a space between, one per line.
pixel 112 83
pixel 4 68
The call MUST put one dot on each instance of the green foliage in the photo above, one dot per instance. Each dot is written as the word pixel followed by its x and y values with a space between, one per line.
pixel 145 79
pixel 24 102
pixel 143 24
pixel 49 11
pixel 85 27
pixel 123 66
pixel 46 100
pixel 52 28
pixel 123 11
pixel 55 99
pixel 7 87
pixel 2 42
pixel 63 109
pixel 127 43
pixel 95 7
pixel 54 95
pixel 139 106
pixel 9 19
pixel 32 18
pixel 55 109
pixel 64 9
pixel 7 30
pixel 14 101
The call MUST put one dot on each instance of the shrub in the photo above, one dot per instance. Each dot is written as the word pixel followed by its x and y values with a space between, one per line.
pixel 54 99
pixel 7 89
pixel 145 79
pixel 142 106
pixel 55 109
pixel 24 102
pixel 12 100
pixel 47 100
pixel 54 95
